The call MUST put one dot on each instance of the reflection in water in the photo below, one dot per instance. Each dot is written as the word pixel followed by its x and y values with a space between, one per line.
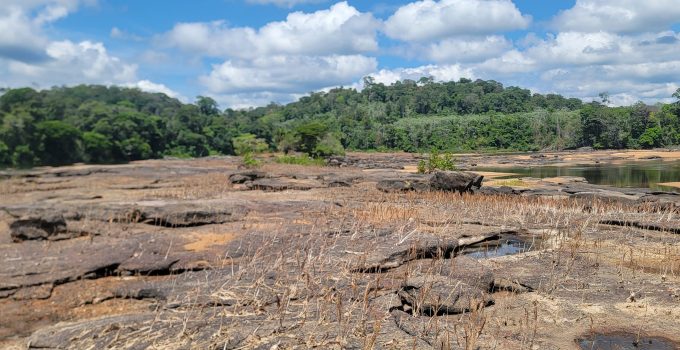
pixel 647 174
pixel 502 247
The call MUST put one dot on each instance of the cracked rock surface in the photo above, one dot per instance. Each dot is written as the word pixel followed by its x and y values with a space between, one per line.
pixel 179 254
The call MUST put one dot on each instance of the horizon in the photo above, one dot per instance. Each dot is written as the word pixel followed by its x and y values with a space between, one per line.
pixel 254 52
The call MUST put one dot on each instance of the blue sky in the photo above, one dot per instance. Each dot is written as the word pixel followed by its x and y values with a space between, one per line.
pixel 251 52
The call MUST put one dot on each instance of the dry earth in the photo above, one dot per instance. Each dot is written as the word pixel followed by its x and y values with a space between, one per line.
pixel 179 254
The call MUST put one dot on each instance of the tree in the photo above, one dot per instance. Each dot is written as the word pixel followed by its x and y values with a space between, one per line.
pixel 651 137
pixel 97 148
pixel 5 155
pixel 59 142
pixel 308 135
pixel 207 105
pixel 23 157
pixel 248 144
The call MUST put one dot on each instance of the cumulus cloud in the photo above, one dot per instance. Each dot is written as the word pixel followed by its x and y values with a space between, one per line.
pixel 285 3
pixel 29 58
pixel 465 49
pixel 286 74
pixel 20 38
pixel 621 16
pixel 438 72
pixel 149 86
pixel 429 20
pixel 72 63
pixel 341 29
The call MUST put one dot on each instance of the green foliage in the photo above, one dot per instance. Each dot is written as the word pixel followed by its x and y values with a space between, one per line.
pixel 436 161
pixel 301 160
pixel 250 162
pixel 5 155
pixel 651 137
pixel 328 145
pixel 23 157
pixel 100 124
pixel 97 148
pixel 248 143
pixel 58 142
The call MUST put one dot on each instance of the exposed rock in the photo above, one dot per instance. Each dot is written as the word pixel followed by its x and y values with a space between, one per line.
pixel 499 191
pixel 455 181
pixel 245 176
pixel 282 184
pixel 391 254
pixel 42 227
pixel 438 295
pixel 63 334
pixel 392 251
pixel 402 185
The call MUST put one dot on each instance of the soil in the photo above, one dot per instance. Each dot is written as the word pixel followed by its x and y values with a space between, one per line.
pixel 176 254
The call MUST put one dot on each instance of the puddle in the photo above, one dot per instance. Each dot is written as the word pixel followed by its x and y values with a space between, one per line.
pixel 624 341
pixel 507 245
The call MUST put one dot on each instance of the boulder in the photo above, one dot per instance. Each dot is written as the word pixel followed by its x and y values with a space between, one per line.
pixel 37 227
pixel 431 295
pixel 455 181
pixel 245 176
pixel 401 185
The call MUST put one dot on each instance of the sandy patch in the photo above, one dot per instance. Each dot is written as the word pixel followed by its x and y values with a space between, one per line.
pixel 670 184
pixel 206 240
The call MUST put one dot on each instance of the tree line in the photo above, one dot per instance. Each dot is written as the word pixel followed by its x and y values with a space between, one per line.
pixel 99 124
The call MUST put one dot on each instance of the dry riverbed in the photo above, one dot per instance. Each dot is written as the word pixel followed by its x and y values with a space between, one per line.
pixel 175 254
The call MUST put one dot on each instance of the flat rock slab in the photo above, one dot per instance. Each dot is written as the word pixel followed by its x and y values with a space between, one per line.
pixel 35 227
pixel 392 250
pixel 282 184
pixel 449 181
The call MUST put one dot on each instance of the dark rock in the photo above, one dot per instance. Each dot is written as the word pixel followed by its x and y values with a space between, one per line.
pixel 391 254
pixel 400 185
pixel 438 295
pixel 498 191
pixel 41 227
pixel 245 176
pixel 455 181
pixel 282 184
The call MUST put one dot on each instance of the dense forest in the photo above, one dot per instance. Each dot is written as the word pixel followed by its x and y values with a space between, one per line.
pixel 99 124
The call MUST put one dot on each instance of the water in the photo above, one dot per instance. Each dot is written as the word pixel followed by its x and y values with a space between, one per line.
pixel 640 174
pixel 504 246
pixel 624 341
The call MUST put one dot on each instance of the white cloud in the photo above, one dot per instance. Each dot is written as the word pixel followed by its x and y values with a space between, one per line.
pixel 20 37
pixel 71 63
pixel 339 30
pixel 429 20
pixel 286 74
pixel 619 16
pixel 438 72
pixel 149 86
pixel 285 3
pixel 470 49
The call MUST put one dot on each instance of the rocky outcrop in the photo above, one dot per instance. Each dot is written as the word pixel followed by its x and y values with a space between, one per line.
pixel 455 181
pixel 448 181
pixel 38 227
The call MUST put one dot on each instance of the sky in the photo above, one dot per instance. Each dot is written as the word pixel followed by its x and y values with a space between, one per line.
pixel 247 53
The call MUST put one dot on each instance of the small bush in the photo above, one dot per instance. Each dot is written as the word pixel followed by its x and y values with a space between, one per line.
pixel 250 162
pixel 249 143
pixel 301 160
pixel 436 162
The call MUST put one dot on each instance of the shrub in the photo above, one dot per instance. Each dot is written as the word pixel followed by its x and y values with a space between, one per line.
pixel 301 160
pixel 250 162
pixel 248 143
pixel 436 162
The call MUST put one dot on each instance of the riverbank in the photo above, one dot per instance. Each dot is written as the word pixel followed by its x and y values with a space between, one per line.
pixel 201 254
